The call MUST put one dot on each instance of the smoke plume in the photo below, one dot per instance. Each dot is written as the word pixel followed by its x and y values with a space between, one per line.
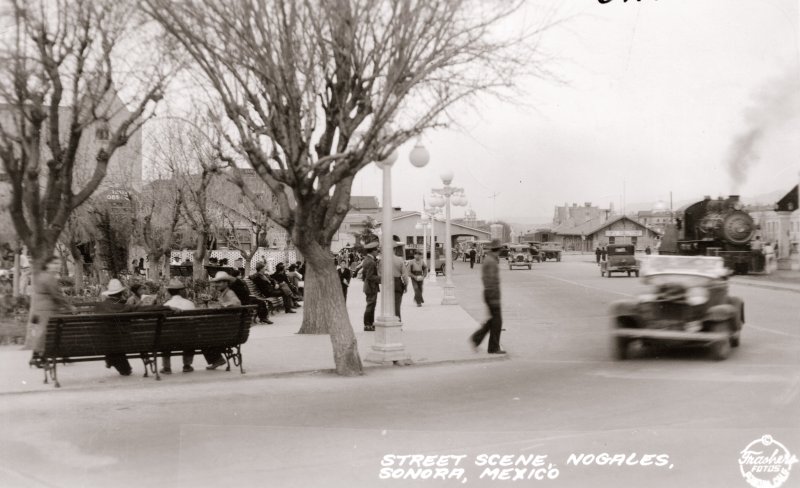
pixel 773 105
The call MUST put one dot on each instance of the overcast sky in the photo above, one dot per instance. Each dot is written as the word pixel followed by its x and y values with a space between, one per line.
pixel 660 95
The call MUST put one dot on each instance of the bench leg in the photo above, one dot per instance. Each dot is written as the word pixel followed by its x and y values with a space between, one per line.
pixel 50 367
pixel 236 357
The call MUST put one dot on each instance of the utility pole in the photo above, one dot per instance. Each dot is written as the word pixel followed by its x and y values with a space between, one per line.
pixel 493 196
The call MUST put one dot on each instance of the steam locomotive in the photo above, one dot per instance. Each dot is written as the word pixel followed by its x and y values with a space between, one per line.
pixel 717 227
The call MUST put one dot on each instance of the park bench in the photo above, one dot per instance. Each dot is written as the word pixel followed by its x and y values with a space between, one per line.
pixel 273 303
pixel 145 335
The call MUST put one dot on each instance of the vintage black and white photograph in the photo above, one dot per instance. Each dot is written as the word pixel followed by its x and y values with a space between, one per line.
pixel 399 243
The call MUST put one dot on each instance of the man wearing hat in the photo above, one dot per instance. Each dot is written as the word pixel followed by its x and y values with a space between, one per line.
pixel 490 274
pixel 400 275
pixel 226 298
pixel 116 296
pixel 178 301
pixel 372 283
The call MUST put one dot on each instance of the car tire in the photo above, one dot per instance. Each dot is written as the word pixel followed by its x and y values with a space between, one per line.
pixel 735 340
pixel 620 348
pixel 720 350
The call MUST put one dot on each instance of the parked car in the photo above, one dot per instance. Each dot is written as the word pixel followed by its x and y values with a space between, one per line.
pixel 550 250
pixel 687 302
pixel 519 255
pixel 620 259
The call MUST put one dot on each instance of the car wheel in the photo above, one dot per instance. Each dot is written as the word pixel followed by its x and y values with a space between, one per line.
pixel 620 346
pixel 735 340
pixel 720 350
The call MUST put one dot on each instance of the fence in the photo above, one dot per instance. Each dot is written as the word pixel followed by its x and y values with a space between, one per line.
pixel 271 256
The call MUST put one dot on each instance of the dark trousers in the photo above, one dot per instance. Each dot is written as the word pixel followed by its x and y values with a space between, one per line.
pixel 471 263
pixel 212 354
pixel 598 258
pixel 166 360
pixel 344 291
pixel 493 327
pixel 369 312
pixel 417 285
pixel 398 295
pixel 119 362
pixel 288 297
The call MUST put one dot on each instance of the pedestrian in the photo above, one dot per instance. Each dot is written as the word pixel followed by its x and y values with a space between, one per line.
pixel 400 275
pixel 648 251
pixel 597 253
pixel 369 270
pixel 344 276
pixel 178 301
pixel 417 270
pixel 473 253
pixel 490 274
pixel 47 301
pixel 603 253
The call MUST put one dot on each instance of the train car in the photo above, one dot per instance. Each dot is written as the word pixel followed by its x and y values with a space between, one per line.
pixel 715 227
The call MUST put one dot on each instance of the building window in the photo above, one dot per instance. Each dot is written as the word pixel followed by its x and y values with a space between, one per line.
pixel 633 241
pixel 420 240
pixel 409 240
pixel 611 240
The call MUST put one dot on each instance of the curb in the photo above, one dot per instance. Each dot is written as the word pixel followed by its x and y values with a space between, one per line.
pixel 266 375
pixel 768 286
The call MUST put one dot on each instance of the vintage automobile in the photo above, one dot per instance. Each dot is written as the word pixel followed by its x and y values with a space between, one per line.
pixel 620 260
pixel 687 303
pixel 520 256
pixel 550 250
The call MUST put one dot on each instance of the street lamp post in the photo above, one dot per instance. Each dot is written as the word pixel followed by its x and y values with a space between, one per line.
pixel 432 212
pixel 455 196
pixel 388 346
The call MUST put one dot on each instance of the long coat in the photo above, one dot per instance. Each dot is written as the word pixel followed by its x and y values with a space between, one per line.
pixel 48 300
pixel 372 282
pixel 490 274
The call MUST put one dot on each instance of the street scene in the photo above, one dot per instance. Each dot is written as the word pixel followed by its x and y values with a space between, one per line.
pixel 421 243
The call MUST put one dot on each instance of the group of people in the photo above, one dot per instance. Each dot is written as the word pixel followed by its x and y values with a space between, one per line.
pixel 231 290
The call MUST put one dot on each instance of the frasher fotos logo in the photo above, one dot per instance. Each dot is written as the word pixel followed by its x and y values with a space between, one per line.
pixel 766 463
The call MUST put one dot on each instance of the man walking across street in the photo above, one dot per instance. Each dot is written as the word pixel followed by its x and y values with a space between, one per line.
pixel 472 254
pixel 490 274
pixel 418 270
pixel 371 284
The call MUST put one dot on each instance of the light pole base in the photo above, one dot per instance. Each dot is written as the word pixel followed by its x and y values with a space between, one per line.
pixel 388 347
pixel 449 296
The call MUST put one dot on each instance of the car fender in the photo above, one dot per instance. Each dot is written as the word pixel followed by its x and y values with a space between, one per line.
pixel 623 308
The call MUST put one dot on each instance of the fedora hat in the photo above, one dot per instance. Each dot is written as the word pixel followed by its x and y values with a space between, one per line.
pixel 115 286
pixel 371 245
pixel 495 244
pixel 222 276
pixel 175 284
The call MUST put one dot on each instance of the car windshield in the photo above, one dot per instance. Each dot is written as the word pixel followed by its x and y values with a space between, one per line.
pixel 687 280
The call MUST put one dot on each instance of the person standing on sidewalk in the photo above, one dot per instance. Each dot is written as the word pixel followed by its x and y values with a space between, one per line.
pixel 473 253
pixel 372 283
pixel 344 276
pixel 418 270
pixel 490 274
pixel 400 275
pixel 597 253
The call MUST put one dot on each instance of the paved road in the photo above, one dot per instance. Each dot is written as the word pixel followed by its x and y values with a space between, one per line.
pixel 557 395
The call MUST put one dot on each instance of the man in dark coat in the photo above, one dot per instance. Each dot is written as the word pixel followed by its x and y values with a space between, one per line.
pixel 344 276
pixel 490 274
pixel 269 288
pixel 603 253
pixel 472 254
pixel 372 283
pixel 597 253
pixel 116 296
pixel 279 277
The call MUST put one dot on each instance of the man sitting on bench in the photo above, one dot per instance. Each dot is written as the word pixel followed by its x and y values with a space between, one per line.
pixel 178 300
pixel 116 295
pixel 269 288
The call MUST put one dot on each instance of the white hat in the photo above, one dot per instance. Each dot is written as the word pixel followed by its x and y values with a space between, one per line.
pixel 222 276
pixel 397 244
pixel 114 286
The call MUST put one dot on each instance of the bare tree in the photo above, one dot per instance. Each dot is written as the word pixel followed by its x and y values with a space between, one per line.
pixel 157 217
pixel 313 91
pixel 61 92
pixel 245 215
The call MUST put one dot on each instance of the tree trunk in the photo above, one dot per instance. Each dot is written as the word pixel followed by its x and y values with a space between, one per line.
pixel 77 259
pixel 154 271
pixel 199 257
pixel 324 310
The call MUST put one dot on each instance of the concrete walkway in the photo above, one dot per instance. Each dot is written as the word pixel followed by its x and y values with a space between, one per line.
pixel 433 334
pixel 786 280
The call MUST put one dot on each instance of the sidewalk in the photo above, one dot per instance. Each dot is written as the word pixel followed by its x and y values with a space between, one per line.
pixel 432 334
pixel 781 279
